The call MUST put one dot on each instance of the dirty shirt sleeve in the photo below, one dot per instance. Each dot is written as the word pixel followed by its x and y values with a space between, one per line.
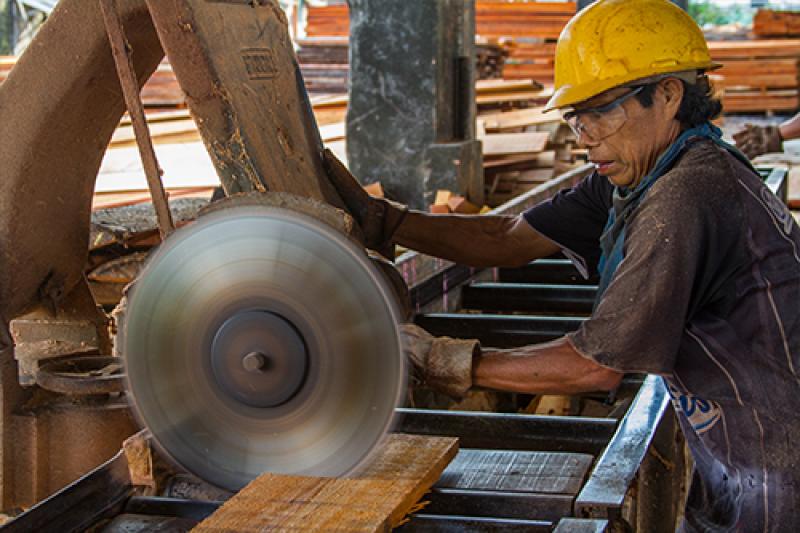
pixel 574 219
pixel 638 324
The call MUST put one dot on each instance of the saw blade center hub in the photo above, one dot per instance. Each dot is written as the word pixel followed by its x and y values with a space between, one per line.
pixel 259 358
pixel 255 362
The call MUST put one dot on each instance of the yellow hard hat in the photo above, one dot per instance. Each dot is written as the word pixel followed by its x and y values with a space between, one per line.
pixel 614 42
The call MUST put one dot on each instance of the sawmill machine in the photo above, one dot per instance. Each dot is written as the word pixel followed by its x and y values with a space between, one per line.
pixel 261 337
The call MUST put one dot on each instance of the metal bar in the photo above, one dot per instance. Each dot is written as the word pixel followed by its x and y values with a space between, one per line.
pixel 192 509
pixel 500 331
pixel 545 271
pixel 529 298
pixel 579 525
pixel 499 431
pixel 432 288
pixel 616 468
pixel 130 89
pixel 497 504
pixel 458 524
pixel 99 494
pixel 778 183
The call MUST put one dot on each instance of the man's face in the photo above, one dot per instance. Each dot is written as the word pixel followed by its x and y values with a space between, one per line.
pixel 627 155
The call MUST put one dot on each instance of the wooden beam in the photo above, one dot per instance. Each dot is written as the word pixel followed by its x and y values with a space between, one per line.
pixel 376 499
pixel 514 143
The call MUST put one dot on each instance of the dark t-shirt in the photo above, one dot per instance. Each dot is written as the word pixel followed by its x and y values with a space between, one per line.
pixel 708 296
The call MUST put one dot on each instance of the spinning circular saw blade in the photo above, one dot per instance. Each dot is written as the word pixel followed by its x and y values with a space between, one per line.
pixel 260 340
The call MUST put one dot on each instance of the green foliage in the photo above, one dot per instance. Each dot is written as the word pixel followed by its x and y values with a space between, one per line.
pixel 5 47
pixel 709 12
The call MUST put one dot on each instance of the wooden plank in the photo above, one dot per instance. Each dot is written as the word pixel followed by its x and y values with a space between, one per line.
pixel 515 119
pixel 505 86
pixel 501 97
pixel 538 472
pixel 515 143
pixel 377 498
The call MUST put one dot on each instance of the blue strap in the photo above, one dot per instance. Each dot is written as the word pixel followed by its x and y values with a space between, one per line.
pixel 612 240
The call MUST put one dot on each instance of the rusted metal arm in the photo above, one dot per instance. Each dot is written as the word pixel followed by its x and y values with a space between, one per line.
pixel 130 89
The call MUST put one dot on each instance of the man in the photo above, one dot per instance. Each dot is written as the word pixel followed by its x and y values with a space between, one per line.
pixel 699 264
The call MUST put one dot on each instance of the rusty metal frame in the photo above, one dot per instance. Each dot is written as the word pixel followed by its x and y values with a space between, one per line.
pixel 120 47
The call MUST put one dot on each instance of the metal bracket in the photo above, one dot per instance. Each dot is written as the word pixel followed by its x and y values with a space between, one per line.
pixel 130 89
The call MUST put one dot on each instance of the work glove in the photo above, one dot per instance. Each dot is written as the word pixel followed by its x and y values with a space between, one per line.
pixel 378 218
pixel 756 140
pixel 440 363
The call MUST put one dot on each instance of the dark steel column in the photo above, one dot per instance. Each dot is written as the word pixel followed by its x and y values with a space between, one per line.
pixel 411 116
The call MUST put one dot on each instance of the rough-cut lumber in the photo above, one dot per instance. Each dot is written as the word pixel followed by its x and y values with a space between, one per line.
pixel 515 143
pixel 493 18
pixel 770 23
pixel 516 119
pixel 757 75
pixel 376 499
pixel 514 471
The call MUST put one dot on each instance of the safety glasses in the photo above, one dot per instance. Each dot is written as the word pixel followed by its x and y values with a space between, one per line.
pixel 599 122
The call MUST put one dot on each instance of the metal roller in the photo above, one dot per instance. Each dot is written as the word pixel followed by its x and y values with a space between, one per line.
pixel 262 340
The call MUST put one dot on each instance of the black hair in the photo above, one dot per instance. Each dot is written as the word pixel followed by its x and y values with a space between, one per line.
pixel 698 105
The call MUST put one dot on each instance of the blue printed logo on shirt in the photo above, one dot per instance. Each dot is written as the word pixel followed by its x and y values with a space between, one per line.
pixel 702 414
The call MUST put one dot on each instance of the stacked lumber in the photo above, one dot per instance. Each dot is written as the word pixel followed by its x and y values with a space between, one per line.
pixel 328 21
pixel 770 23
pixel 493 19
pixel 758 75
pixel 530 59
pixel 523 149
pixel 501 18
pixel 162 89
pixel 510 94
pixel 490 60
pixel 324 63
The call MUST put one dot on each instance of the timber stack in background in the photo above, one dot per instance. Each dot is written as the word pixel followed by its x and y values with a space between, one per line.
pixel 520 35
pixel 325 64
pixel 770 23
pixel 757 75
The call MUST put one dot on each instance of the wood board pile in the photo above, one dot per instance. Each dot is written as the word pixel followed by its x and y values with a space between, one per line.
pixel 523 149
pixel 490 61
pixel 530 59
pixel 542 20
pixel 325 64
pixel 328 21
pixel 771 23
pixel 757 75
pixel 510 94
pixel 493 19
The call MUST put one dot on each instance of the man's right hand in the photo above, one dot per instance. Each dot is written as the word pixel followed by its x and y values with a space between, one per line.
pixel 442 364
pixel 756 140
pixel 378 218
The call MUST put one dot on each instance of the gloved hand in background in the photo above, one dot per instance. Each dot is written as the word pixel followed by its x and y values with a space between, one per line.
pixel 756 140
pixel 440 363
pixel 378 218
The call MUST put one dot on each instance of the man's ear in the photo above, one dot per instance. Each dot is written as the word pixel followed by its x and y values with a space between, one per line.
pixel 671 94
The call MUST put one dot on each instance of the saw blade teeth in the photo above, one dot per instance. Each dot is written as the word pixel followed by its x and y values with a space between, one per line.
pixel 260 340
